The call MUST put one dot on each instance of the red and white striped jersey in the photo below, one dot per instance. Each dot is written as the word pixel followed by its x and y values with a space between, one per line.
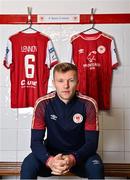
pixel 95 56
pixel 30 57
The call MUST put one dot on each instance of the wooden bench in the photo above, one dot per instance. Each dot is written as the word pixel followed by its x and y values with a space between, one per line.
pixel 111 169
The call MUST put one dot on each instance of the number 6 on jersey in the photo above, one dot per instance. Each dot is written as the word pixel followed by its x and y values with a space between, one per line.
pixel 29 68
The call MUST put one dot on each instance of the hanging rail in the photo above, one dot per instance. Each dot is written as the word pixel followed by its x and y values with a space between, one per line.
pixel 83 19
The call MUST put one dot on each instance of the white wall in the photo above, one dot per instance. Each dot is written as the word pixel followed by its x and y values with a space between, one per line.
pixel 114 145
pixel 65 6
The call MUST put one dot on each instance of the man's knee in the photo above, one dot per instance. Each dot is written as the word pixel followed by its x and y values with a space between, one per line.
pixel 95 167
pixel 30 166
pixel 95 160
pixel 29 162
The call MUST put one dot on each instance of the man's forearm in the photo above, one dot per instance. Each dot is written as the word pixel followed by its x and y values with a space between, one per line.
pixel 37 145
pixel 89 148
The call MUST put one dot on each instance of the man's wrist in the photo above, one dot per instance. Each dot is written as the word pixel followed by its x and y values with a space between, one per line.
pixel 49 160
pixel 72 159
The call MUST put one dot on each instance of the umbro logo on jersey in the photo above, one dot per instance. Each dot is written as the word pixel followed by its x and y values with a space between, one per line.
pixel 77 118
pixel 53 117
pixel 81 51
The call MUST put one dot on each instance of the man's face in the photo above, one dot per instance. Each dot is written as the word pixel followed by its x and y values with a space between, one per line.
pixel 65 84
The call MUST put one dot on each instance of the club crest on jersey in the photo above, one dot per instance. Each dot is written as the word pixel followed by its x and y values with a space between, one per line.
pixel 101 49
pixel 77 118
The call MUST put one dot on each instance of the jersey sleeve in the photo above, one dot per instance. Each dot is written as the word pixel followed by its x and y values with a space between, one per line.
pixel 71 54
pixel 71 49
pixel 38 121
pixel 8 55
pixel 92 121
pixel 51 56
pixel 115 62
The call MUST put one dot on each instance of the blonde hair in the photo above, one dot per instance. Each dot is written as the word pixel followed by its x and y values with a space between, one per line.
pixel 64 67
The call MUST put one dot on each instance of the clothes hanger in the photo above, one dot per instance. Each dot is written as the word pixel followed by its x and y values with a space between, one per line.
pixel 30 28
pixel 29 21
pixel 92 21
pixel 92 29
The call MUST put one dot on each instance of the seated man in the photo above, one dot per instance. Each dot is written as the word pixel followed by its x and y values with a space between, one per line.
pixel 71 122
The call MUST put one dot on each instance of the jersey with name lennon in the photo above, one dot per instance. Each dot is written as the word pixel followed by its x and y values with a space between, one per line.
pixel 29 56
